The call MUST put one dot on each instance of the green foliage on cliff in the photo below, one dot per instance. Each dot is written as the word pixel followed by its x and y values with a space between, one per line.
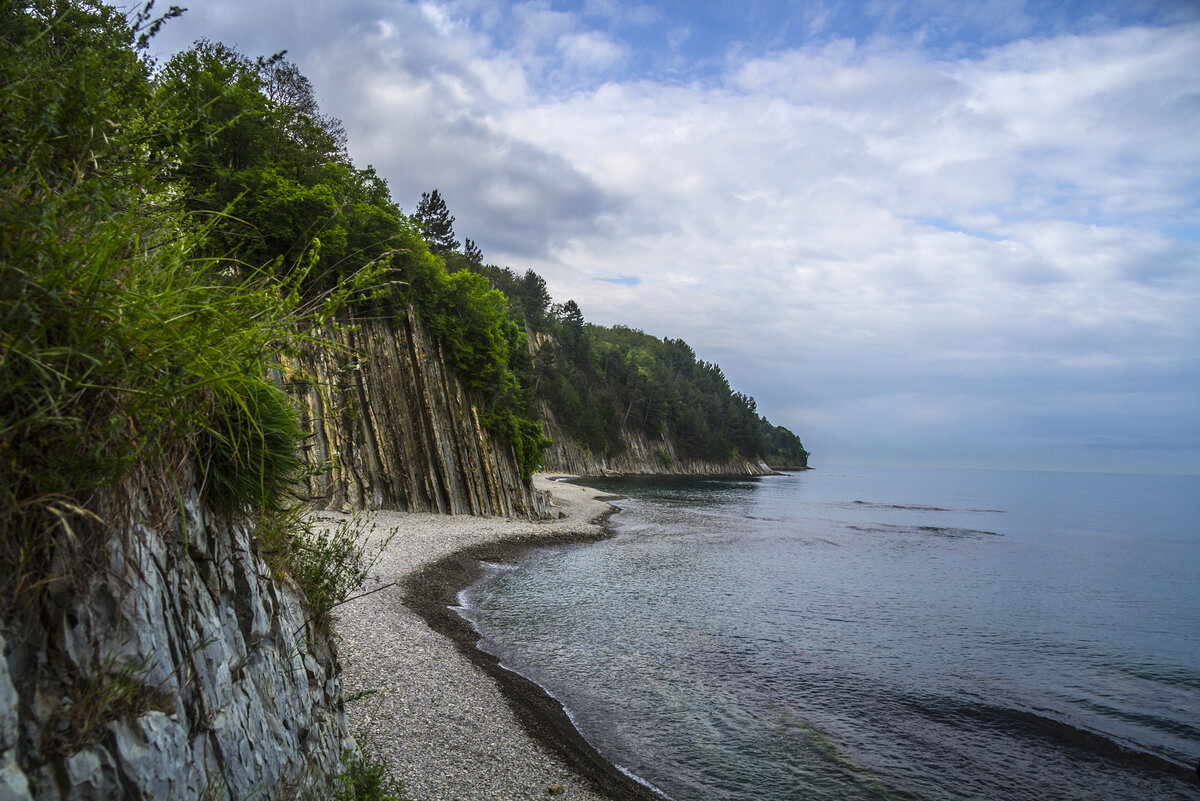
pixel 126 355
pixel 437 226
pixel 781 448
pixel 164 239
pixel 129 349
pixel 653 386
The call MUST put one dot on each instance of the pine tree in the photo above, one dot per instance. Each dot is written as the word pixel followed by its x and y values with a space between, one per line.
pixel 473 253
pixel 437 226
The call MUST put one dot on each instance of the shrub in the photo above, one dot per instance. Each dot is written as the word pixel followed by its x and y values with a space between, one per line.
pixel 248 451
pixel 330 565
pixel 366 778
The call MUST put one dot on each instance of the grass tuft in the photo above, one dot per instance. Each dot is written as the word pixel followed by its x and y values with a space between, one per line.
pixel 94 700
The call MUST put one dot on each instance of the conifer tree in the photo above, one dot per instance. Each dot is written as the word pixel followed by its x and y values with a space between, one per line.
pixel 437 226
pixel 473 253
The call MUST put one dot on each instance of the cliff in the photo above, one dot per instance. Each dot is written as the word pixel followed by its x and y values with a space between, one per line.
pixel 167 663
pixel 605 396
pixel 166 660
pixel 642 455
pixel 392 428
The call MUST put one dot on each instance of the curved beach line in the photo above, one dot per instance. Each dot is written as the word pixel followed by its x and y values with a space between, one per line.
pixel 446 717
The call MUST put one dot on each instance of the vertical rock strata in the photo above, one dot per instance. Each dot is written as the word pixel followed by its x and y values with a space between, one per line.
pixel 396 430
pixel 174 666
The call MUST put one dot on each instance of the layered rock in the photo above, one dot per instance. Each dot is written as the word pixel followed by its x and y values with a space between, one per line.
pixel 392 428
pixel 174 665
pixel 642 456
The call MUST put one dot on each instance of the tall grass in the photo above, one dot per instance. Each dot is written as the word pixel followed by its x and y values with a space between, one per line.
pixel 121 356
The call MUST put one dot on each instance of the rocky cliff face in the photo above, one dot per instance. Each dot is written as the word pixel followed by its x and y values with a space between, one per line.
pixel 398 430
pixel 173 667
pixel 643 455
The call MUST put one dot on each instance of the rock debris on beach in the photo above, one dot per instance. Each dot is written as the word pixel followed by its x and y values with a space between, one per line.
pixel 438 721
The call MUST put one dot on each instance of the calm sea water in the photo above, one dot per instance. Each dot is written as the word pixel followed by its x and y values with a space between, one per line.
pixel 876 634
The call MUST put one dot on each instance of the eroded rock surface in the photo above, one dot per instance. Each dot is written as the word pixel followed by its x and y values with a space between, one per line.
pixel 177 667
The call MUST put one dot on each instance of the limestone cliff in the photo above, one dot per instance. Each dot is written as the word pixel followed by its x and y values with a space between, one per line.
pixel 170 664
pixel 642 455
pixel 392 428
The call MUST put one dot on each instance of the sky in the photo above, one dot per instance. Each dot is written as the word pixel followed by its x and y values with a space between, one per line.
pixel 917 233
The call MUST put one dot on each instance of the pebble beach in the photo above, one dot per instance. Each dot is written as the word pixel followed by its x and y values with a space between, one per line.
pixel 448 722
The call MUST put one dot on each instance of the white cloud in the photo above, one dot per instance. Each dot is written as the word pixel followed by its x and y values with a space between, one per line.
pixel 589 51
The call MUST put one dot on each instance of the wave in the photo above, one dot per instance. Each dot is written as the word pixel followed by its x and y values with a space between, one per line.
pixel 913 507
pixel 497 567
pixel 1030 724
pixel 940 531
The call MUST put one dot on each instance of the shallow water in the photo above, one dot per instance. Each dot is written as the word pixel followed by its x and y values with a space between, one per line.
pixel 876 634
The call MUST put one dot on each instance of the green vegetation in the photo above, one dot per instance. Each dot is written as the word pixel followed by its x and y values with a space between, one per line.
pixel 781 448
pixel 113 692
pixel 366 778
pixel 330 565
pixel 437 226
pixel 272 174
pixel 125 355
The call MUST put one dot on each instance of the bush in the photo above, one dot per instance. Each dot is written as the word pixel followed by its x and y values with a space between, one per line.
pixel 330 565
pixel 366 778
pixel 249 451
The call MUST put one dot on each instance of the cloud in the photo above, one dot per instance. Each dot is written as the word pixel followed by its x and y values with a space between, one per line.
pixel 589 51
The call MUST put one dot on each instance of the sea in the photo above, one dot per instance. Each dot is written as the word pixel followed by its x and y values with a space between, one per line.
pixel 874 633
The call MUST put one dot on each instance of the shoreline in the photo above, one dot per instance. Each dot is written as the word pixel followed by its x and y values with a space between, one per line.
pixel 433 592
pixel 445 717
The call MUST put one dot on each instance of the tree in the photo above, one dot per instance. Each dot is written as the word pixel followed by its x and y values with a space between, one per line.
pixel 570 320
pixel 534 298
pixel 301 135
pixel 436 224
pixel 473 253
